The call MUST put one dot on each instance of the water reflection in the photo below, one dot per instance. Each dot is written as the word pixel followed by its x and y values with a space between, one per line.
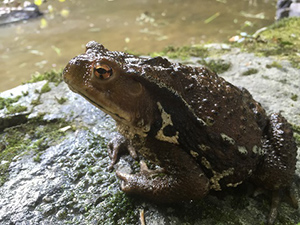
pixel 141 26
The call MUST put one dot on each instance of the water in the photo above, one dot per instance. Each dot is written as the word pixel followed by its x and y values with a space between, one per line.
pixel 140 26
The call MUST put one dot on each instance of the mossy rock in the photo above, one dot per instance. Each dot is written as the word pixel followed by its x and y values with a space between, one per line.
pixel 281 39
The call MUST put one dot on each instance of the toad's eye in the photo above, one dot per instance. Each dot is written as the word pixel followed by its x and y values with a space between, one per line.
pixel 102 71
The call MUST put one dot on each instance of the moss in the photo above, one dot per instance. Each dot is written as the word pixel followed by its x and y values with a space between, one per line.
pixel 280 39
pixel 182 52
pixel 274 64
pixel 121 210
pixel 37 158
pixel 250 71
pixel 130 52
pixel 95 191
pixel 218 66
pixel 36 102
pixel 6 102
pixel 12 109
pixel 25 93
pixel 61 100
pixel 45 88
pixel 51 76
pixel 294 97
pixel 34 136
pixel 296 130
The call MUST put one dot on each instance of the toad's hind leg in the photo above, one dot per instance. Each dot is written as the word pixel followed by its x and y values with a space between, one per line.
pixel 277 170
pixel 180 178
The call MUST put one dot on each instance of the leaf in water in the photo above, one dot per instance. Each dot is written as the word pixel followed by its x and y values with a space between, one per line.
pixel 95 29
pixel 162 38
pixel 64 13
pixel 43 23
pixel 50 9
pixel 208 20
pixel 248 24
pixel 36 52
pixel 61 0
pixel 56 49
pixel 234 38
pixel 38 2
pixel 22 65
pixel 255 16
pixel 41 64
pixel 127 40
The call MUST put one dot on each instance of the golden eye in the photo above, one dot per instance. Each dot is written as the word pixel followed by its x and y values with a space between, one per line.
pixel 102 71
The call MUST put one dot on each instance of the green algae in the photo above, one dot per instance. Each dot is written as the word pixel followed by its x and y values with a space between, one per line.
pixel 282 39
pixel 32 137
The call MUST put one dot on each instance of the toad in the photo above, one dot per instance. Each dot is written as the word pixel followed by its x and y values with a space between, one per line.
pixel 202 132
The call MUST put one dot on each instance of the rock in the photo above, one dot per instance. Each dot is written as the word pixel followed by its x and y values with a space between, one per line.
pixel 17 14
pixel 54 161
pixel 287 8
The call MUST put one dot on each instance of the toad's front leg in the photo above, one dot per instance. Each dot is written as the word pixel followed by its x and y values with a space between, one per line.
pixel 180 179
pixel 117 146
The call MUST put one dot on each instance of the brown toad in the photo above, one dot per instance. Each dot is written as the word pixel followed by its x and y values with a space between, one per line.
pixel 202 131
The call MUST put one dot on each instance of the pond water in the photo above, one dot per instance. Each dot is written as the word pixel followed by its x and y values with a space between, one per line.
pixel 141 26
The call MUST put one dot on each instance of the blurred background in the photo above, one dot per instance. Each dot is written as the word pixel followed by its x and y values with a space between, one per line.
pixel 141 26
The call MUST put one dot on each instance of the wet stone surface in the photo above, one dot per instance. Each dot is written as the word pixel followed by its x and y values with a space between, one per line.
pixel 55 170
